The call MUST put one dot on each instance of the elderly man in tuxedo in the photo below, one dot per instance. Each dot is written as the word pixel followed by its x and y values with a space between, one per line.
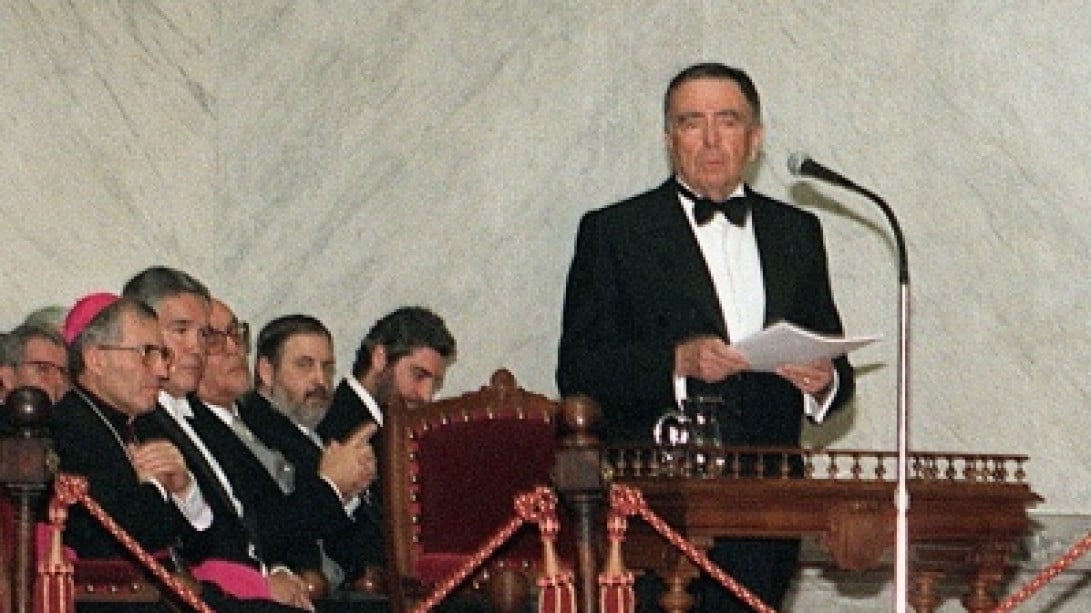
pixel 661 283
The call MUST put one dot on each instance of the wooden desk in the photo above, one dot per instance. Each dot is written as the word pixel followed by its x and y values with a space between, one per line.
pixel 966 511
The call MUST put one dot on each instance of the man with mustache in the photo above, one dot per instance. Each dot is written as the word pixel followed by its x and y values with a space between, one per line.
pixel 294 371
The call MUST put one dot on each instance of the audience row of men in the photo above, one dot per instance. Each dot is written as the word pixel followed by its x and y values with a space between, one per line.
pixel 256 487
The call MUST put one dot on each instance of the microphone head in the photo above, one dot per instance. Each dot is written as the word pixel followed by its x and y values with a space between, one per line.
pixel 796 162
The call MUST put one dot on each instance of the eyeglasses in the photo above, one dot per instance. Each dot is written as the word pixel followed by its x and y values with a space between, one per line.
pixel 149 354
pixel 216 340
pixel 44 368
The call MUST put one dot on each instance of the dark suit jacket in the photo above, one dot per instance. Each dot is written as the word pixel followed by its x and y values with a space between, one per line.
pixel 278 521
pixel 231 536
pixel 87 446
pixel 346 414
pixel 638 285
pixel 342 538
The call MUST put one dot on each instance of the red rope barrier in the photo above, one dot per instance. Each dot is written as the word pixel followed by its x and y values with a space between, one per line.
pixel 627 500
pixel 1046 575
pixel 616 594
pixel 69 489
pixel 539 506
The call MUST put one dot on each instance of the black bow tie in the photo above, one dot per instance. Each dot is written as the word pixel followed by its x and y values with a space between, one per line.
pixel 734 209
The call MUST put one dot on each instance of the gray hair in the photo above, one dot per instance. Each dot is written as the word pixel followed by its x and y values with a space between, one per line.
pixel 51 316
pixel 14 344
pixel 153 284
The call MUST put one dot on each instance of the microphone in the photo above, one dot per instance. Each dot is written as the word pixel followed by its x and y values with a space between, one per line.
pixel 801 165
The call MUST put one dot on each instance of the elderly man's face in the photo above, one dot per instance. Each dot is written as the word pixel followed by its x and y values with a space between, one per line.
pixel 128 374
pixel 299 385
pixel 712 134
pixel 227 374
pixel 44 365
pixel 183 320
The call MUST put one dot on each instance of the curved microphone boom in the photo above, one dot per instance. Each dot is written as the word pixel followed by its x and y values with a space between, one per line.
pixel 801 165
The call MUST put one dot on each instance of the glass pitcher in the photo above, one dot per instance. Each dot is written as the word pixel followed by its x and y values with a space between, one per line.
pixel 691 434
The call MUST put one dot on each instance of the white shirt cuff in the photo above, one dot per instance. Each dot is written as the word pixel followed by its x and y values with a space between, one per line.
pixel 817 410
pixel 193 506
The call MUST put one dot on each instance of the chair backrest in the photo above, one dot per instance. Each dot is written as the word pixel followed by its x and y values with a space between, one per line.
pixel 450 471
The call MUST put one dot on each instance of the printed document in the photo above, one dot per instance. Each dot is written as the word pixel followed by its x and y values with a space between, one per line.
pixel 786 343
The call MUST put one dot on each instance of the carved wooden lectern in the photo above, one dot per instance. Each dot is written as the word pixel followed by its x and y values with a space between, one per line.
pixel 966 514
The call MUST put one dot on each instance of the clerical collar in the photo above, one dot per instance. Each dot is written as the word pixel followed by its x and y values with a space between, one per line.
pixel 114 416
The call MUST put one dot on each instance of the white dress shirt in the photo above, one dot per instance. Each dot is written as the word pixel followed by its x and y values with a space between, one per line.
pixel 731 255
pixel 179 410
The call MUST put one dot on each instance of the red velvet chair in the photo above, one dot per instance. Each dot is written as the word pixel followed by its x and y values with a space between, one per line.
pixel 450 470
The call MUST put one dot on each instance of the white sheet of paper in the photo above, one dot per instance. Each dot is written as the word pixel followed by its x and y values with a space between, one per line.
pixel 786 343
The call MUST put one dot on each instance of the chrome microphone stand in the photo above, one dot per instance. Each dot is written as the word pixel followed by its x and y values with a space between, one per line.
pixel 800 164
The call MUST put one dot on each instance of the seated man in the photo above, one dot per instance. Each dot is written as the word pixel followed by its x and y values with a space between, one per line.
pixel 294 369
pixel 262 478
pixel 292 519
pixel 404 356
pixel 117 359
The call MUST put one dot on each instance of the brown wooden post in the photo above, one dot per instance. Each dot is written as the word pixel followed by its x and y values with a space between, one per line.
pixel 579 482
pixel 27 464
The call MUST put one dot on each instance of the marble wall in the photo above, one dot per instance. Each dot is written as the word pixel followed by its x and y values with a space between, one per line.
pixel 345 157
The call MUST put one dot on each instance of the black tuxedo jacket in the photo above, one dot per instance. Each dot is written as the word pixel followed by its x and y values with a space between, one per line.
pixel 277 518
pixel 343 540
pixel 638 285
pixel 231 536
pixel 86 445
pixel 347 413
